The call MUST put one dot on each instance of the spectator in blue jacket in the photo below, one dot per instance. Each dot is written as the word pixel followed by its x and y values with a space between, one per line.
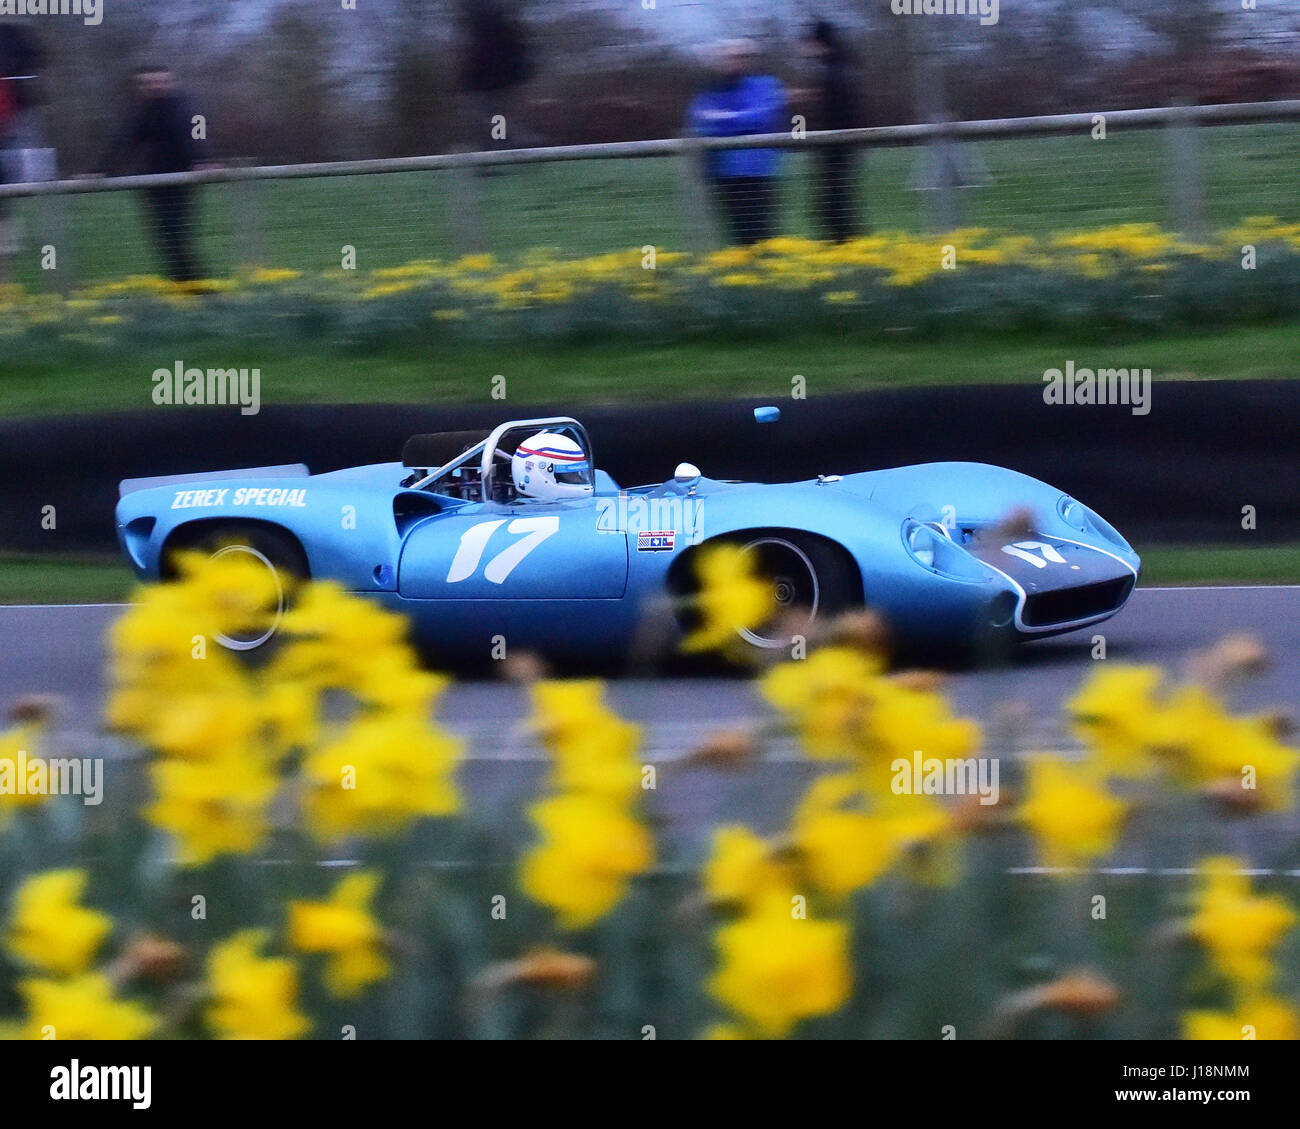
pixel 741 101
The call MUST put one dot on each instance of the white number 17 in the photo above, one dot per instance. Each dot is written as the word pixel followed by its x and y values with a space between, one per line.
pixel 474 540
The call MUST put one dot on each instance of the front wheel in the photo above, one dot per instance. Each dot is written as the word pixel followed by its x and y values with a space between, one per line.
pixel 810 581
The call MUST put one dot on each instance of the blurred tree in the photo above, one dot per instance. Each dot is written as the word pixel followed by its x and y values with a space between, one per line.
pixel 296 100
pixel 419 116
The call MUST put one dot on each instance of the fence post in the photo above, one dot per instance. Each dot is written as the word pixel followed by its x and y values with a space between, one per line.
pixel 465 220
pixel 693 196
pixel 249 222
pixel 1186 172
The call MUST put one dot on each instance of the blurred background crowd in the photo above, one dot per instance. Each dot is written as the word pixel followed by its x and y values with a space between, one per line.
pixel 298 80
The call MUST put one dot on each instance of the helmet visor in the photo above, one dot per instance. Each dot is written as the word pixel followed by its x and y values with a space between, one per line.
pixel 573 474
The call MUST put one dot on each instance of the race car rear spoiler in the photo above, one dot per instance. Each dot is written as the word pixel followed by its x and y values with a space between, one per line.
pixel 286 470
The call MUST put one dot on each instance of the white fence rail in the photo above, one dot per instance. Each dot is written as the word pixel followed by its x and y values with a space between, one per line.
pixel 588 197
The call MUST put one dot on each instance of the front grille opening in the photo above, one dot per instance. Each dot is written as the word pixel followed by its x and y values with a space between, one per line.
pixel 1068 604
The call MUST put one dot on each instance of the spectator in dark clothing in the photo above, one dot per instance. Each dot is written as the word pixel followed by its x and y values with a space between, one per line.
pixel 158 137
pixel 738 102
pixel 838 107
pixel 20 60
pixel 495 63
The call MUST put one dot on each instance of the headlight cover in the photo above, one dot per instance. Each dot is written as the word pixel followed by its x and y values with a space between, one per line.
pixel 929 546
pixel 920 541
pixel 1079 517
pixel 1073 513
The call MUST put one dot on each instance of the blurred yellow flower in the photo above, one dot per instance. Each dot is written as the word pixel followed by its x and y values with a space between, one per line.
pixel 344 928
pixel 1238 928
pixel 601 762
pixel 844 850
pixel 730 598
pixel 593 749
pixel 741 868
pixel 847 848
pixel 1204 747
pixel 214 807
pixel 776 970
pixel 589 849
pixel 903 720
pixel 49 929
pixel 1072 817
pixel 82 1008
pixel 385 771
pixel 1255 1017
pixel 1111 714
pixel 340 641
pixel 270 276
pixel 828 696
pixel 253 997
pixel 20 756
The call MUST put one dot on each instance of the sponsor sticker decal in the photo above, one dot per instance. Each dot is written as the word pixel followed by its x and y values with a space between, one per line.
pixel 655 541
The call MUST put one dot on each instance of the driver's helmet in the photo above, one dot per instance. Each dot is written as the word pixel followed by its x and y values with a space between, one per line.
pixel 551 467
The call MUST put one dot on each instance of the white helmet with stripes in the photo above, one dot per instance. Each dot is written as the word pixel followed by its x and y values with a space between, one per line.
pixel 550 467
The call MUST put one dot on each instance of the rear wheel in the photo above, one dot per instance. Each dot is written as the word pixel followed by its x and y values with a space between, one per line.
pixel 266 547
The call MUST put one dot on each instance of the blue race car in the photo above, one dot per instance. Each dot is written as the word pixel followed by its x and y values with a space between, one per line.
pixel 516 538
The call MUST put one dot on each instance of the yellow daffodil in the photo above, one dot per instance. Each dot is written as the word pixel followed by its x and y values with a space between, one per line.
pixel 593 750
pixel 777 970
pixel 83 1007
pixel 253 997
pixel 1255 1017
pixel 1240 929
pixel 564 709
pixel 730 598
pixel 337 636
pixel 343 927
pixel 741 868
pixel 19 747
pixel 49 928
pixel 1112 714
pixel 845 846
pixel 214 807
pixel 589 849
pixel 383 773
pixel 1071 816
pixel 827 696
pixel 844 850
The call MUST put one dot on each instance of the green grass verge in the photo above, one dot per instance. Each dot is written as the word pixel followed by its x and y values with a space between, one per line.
pixel 1212 564
pixel 54 579
pixel 105 579
pixel 613 372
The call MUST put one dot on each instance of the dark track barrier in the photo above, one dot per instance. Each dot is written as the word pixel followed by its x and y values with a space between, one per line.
pixel 1181 473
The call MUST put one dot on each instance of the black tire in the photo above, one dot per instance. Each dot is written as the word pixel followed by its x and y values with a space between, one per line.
pixel 272 546
pixel 809 575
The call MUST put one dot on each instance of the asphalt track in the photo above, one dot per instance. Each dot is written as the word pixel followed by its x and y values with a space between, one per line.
pixel 58 650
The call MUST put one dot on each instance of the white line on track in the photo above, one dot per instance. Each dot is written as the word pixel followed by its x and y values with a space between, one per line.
pixel 1222 588
pixel 42 607
pixel 1163 588
pixel 1017 871
pixel 1160 871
